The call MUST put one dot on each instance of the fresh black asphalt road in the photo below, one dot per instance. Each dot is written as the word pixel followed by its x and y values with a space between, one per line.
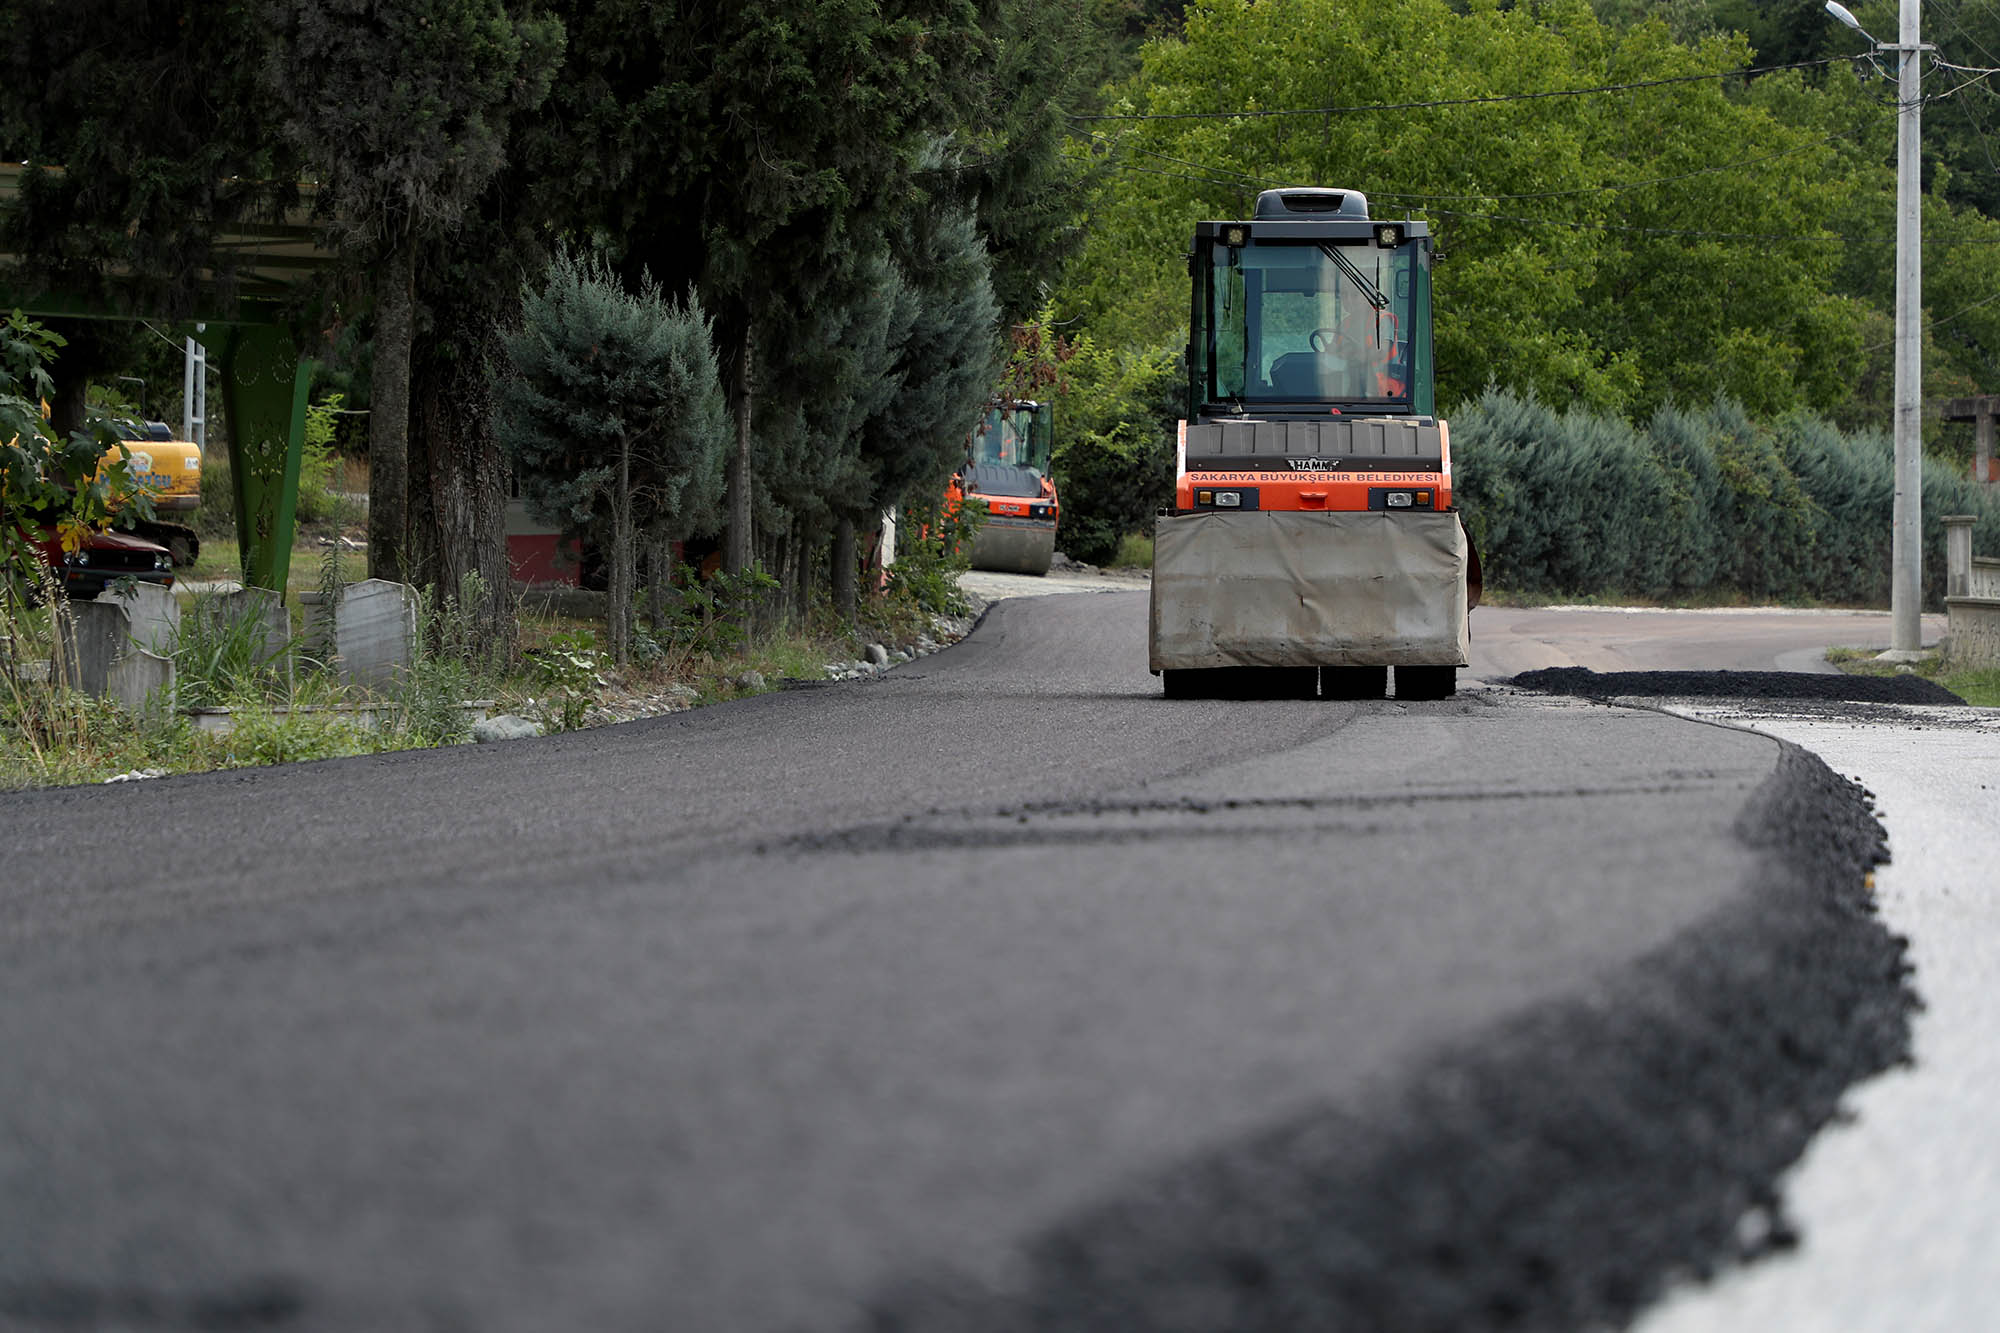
pixel 1000 992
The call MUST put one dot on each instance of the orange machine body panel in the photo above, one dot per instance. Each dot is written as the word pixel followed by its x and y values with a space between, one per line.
pixel 1330 487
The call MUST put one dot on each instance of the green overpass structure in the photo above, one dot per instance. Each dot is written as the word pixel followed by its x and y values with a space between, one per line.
pixel 265 376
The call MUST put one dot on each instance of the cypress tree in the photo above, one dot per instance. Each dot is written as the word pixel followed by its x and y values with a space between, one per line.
pixel 613 418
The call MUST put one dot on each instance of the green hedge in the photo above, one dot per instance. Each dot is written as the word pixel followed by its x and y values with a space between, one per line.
pixel 1699 501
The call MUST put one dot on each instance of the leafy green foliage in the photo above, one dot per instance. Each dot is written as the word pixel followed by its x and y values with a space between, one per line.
pixel 317 460
pixel 767 154
pixel 704 620
pixel 403 111
pixel 1134 552
pixel 68 485
pixel 1044 60
pixel 567 670
pixel 1114 457
pixel 1557 502
pixel 933 547
pixel 401 108
pixel 598 369
pixel 1588 256
pixel 942 364
pixel 749 148
pixel 435 691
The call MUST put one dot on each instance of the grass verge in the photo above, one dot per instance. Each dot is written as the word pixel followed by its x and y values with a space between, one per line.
pixel 1135 551
pixel 285 707
pixel 1976 685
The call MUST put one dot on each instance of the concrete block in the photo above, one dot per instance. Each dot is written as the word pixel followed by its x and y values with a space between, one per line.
pixel 375 630
pixel 1975 631
pixel 1983 578
pixel 262 607
pixel 154 614
pixel 121 646
pixel 138 676
pixel 98 633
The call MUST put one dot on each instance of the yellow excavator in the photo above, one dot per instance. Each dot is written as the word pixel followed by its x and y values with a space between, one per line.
pixel 170 470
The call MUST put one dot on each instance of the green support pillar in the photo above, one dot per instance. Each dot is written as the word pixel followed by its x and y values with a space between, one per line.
pixel 264 387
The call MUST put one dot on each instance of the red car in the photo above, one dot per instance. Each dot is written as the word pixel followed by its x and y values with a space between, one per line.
pixel 104 558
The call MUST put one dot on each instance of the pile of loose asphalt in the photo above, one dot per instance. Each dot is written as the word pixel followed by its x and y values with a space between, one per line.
pixel 1823 686
pixel 1561 1171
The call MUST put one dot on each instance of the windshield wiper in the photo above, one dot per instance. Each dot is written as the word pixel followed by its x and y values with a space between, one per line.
pixel 1368 289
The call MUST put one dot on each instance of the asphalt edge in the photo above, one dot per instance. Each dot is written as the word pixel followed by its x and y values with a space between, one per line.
pixel 1561 1172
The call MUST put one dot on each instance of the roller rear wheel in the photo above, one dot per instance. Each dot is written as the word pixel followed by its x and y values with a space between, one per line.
pixel 1240 682
pixel 1426 682
pixel 1367 682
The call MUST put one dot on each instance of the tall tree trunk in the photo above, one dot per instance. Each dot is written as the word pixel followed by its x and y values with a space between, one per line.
pixel 624 561
pixel 69 409
pixel 787 548
pixel 802 574
pixel 843 567
pixel 659 577
pixel 736 546
pixel 457 480
pixel 389 418
pixel 768 603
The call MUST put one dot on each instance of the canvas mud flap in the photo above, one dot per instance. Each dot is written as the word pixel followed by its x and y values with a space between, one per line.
pixel 1280 588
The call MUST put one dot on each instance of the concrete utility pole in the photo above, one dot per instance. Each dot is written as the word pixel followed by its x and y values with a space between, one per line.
pixel 1906 550
pixel 1906 566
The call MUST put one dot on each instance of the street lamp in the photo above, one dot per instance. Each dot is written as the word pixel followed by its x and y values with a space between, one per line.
pixel 1906 551
pixel 1841 12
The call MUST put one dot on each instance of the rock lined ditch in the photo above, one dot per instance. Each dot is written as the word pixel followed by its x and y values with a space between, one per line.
pixel 1557 1172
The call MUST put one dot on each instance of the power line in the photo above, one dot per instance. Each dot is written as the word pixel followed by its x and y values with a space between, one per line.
pixel 1953 17
pixel 1250 178
pixel 1939 62
pixel 1115 144
pixel 1977 76
pixel 1830 238
pixel 1939 323
pixel 1977 122
pixel 1628 185
pixel 1255 114
pixel 1655 231
pixel 1178 175
pixel 1825 238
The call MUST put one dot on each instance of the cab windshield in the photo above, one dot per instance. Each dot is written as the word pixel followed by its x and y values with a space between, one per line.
pixel 1310 320
pixel 1018 435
